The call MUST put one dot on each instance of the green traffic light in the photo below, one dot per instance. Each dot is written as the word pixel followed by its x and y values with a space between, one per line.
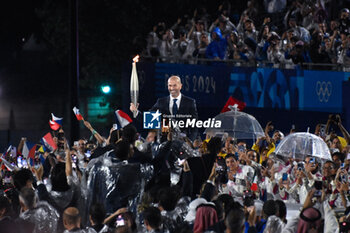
pixel 106 89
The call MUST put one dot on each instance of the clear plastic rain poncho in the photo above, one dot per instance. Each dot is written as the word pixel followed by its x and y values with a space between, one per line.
pixel 44 216
pixel 273 225
pixel 73 196
pixel 300 145
pixel 62 199
pixel 116 183
pixel 175 152
pixel 86 230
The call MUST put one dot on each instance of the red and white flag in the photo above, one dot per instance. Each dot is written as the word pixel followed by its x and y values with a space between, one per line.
pixel 232 101
pixel 55 122
pixel 77 114
pixel 28 150
pixel 48 142
pixel 123 118
pixel 54 125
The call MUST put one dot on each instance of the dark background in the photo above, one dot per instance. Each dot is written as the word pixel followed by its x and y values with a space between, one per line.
pixel 35 72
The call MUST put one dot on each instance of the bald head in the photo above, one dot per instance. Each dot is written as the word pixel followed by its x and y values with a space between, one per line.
pixel 175 79
pixel 71 218
pixel 174 86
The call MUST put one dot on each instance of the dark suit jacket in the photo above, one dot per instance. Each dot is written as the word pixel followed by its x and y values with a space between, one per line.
pixel 187 107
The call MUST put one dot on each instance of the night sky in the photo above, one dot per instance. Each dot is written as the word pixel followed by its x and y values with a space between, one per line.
pixel 110 33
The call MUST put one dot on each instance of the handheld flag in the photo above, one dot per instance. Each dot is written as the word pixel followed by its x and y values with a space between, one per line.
pixel 58 120
pixel 55 122
pixel 8 150
pixel 41 149
pixel 123 118
pixel 54 126
pixel 8 165
pixel 28 150
pixel 77 114
pixel 254 187
pixel 48 142
pixel 11 151
pixel 232 101
pixel 134 84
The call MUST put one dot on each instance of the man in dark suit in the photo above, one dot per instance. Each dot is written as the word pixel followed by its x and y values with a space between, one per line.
pixel 176 106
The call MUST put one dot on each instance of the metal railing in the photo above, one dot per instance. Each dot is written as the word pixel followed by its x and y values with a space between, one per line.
pixel 243 63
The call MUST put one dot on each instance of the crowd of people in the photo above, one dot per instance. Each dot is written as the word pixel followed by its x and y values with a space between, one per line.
pixel 270 31
pixel 168 183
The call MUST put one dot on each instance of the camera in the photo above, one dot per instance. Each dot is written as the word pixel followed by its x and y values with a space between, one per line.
pixel 241 148
pixel 318 186
pixel 344 227
pixel 219 169
pixel 263 144
pixel 344 178
pixel 342 166
pixel 300 166
pixel 333 118
pixel 37 163
pixel 120 221
pixel 247 195
pixel 284 176
pixel 74 161
pixel 312 162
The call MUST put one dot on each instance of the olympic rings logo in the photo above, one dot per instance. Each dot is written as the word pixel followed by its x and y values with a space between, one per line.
pixel 323 90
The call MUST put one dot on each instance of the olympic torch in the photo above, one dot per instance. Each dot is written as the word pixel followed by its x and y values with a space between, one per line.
pixel 134 84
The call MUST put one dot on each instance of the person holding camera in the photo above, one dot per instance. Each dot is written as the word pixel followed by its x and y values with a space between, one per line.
pixel 274 54
pixel 166 45
pixel 153 41
pixel 217 47
pixel 239 176
pixel 295 185
pixel 327 50
pixel 196 31
pixel 201 48
pixel 310 218
pixel 299 54
pixel 335 141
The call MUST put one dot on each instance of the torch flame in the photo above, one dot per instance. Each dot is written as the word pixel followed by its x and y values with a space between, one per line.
pixel 136 58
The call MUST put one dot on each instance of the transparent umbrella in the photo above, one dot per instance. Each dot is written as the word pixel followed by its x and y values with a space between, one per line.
pixel 239 125
pixel 300 145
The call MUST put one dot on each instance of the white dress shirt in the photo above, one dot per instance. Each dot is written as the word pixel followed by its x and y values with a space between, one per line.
pixel 171 103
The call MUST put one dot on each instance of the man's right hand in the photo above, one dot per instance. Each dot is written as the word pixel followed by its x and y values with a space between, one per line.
pixel 133 108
